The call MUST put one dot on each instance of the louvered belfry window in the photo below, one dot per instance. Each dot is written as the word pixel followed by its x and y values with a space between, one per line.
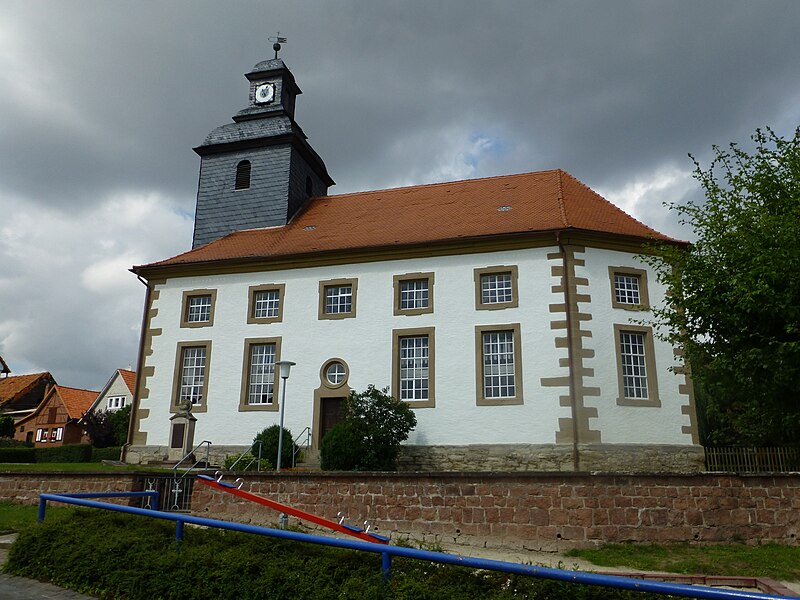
pixel 242 175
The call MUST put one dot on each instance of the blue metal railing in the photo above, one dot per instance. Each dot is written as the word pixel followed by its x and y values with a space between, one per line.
pixel 386 551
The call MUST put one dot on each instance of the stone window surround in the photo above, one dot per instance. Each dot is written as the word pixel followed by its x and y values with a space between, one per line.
pixel 251 302
pixel 185 308
pixel 175 406
pixel 479 381
pixel 324 285
pixel 244 405
pixel 653 399
pixel 397 334
pixel 644 296
pixel 399 279
pixel 496 270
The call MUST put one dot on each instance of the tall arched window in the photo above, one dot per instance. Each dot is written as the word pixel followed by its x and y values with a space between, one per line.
pixel 309 186
pixel 242 175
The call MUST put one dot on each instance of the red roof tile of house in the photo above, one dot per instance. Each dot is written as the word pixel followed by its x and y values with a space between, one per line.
pixel 16 385
pixel 129 377
pixel 479 208
pixel 76 401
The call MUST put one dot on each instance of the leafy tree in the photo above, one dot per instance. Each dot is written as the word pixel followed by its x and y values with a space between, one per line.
pixel 6 426
pixel 733 300
pixel 120 420
pixel 98 427
pixel 369 439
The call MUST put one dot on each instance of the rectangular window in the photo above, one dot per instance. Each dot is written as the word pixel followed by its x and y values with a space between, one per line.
pixel 259 389
pixel 413 294
pixel 266 303
pixel 496 288
pixel 638 385
pixel 262 374
pixel 628 288
pixel 45 434
pixel 53 433
pixel 499 364
pixel 413 366
pixel 59 433
pixel 337 299
pixel 115 402
pixel 192 365
pixel 198 308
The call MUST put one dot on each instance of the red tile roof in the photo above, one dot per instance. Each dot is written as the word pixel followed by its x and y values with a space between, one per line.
pixel 129 377
pixel 17 385
pixel 76 401
pixel 462 210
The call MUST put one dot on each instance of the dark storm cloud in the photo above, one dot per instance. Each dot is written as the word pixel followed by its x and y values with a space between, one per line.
pixel 103 101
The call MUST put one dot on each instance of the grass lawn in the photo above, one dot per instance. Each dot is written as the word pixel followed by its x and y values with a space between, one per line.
pixel 16 517
pixel 766 560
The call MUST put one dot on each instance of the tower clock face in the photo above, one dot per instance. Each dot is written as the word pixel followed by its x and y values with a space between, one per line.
pixel 265 93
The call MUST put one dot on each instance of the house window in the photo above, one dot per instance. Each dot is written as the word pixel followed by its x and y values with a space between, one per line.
pixel 496 287
pixel 413 366
pixel 115 402
pixel 45 433
pixel 335 373
pixel 499 364
pixel 52 414
pixel 413 294
pixel 337 298
pixel 628 288
pixel 39 435
pixel 192 364
pixel 638 385
pixel 266 303
pixel 198 308
pixel 259 385
pixel 53 433
pixel 59 434
pixel 243 175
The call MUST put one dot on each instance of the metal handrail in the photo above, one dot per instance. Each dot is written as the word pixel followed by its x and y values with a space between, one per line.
pixel 307 433
pixel 205 443
pixel 257 459
pixel 388 551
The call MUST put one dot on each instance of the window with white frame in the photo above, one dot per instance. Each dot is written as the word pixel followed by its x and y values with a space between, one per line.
pixel 638 384
pixel 39 433
pixel 499 356
pixel 59 434
pixel 115 402
pixel 413 366
pixel 193 374
pixel 496 287
pixel 198 308
pixel 337 299
pixel 628 288
pixel 53 433
pixel 261 381
pixel 266 304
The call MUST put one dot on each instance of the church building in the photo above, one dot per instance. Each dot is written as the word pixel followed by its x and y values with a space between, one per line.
pixel 512 313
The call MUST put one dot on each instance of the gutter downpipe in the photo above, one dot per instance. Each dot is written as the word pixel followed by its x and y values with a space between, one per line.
pixel 576 458
pixel 139 367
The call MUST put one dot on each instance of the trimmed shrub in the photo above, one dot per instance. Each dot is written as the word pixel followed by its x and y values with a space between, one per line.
pixel 18 454
pixel 110 453
pixel 341 448
pixel 248 462
pixel 6 442
pixel 64 454
pixel 269 445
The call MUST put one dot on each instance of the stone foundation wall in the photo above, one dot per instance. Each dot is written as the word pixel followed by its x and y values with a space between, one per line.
pixel 143 455
pixel 612 458
pixel 536 511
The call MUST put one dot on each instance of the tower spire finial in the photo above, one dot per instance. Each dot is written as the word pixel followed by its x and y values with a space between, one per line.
pixel 277 45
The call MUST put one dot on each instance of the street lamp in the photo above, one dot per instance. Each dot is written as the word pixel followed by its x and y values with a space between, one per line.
pixel 285 367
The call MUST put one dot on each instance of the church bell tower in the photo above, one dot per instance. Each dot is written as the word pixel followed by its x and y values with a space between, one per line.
pixel 259 170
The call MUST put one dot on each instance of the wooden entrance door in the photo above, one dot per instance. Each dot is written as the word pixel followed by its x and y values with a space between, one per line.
pixel 331 413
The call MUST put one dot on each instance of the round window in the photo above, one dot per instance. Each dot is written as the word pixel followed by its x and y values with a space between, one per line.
pixel 335 373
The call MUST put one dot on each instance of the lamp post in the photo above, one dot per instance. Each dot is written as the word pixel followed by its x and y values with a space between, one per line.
pixel 285 367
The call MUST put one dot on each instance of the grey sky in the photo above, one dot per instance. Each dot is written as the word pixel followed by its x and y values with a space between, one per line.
pixel 103 101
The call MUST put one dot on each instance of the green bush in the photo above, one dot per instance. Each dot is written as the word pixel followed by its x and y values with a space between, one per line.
pixel 341 448
pixel 377 425
pixel 119 420
pixel 115 555
pixel 64 454
pixel 248 462
pixel 269 445
pixel 12 443
pixel 110 453
pixel 17 455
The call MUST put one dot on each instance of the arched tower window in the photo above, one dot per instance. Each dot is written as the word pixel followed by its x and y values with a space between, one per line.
pixel 309 186
pixel 242 175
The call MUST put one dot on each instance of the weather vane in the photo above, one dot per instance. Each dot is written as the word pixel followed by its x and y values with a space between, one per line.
pixel 278 41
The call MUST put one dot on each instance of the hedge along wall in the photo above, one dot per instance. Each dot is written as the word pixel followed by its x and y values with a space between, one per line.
pixel 550 511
